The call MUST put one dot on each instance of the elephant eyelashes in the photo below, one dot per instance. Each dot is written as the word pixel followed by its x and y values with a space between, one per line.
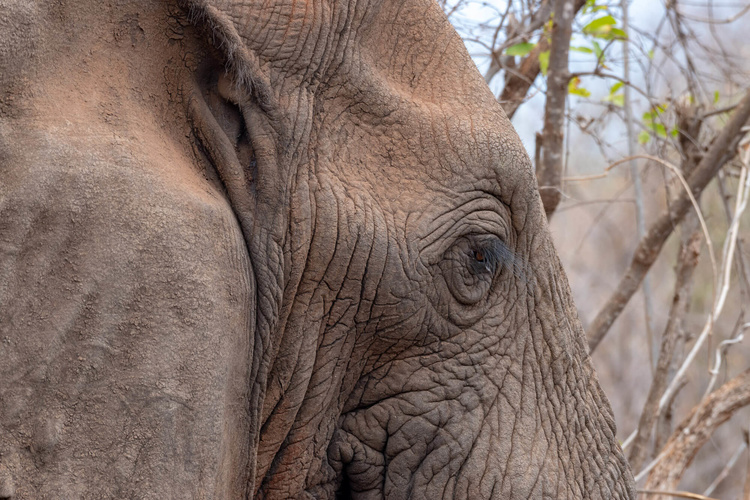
pixel 487 256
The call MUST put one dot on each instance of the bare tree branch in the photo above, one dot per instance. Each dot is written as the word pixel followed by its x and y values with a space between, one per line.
pixel 710 20
pixel 696 429
pixel 726 470
pixel 723 286
pixel 746 489
pixel 722 150
pixel 676 494
pixel 518 82
pixel 666 415
pixel 688 261
pixel 549 171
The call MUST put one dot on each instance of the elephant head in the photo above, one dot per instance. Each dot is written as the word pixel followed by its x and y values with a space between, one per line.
pixel 278 249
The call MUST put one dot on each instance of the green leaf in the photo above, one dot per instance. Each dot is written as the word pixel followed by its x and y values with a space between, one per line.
pixel 544 62
pixel 659 129
pixel 604 33
pixel 575 88
pixel 617 86
pixel 592 7
pixel 580 91
pixel 616 99
pixel 584 50
pixel 716 97
pixel 674 132
pixel 519 49
pixel 644 137
pixel 604 23
pixel 599 52
pixel 651 54
pixel 650 116
pixel 617 33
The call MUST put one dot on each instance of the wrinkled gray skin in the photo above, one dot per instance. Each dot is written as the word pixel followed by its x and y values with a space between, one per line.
pixel 322 272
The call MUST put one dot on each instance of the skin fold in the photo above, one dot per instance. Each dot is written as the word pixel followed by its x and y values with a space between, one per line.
pixel 277 249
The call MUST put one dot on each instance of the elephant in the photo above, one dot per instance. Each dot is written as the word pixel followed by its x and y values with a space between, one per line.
pixel 278 249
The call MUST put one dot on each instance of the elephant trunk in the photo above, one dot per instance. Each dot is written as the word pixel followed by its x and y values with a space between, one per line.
pixel 501 453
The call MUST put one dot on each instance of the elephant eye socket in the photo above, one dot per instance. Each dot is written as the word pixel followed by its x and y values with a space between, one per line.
pixel 471 266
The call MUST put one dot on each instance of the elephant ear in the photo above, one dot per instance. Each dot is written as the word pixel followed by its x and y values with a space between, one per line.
pixel 254 169
pixel 240 61
pixel 240 127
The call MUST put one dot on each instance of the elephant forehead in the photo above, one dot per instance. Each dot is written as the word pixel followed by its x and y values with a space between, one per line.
pixel 294 36
pixel 408 45
pixel 404 144
pixel 387 82
pixel 417 106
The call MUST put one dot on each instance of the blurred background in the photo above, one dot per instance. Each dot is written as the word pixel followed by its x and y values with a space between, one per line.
pixel 622 106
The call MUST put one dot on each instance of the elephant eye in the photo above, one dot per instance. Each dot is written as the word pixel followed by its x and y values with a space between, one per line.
pixel 485 257
pixel 471 265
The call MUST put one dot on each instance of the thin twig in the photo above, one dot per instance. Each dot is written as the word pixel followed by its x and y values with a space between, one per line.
pixel 720 354
pixel 678 494
pixel 719 111
pixel 649 247
pixel 719 301
pixel 746 489
pixel 686 264
pixel 727 468
pixel 696 429
pixel 688 193
pixel 710 20
pixel 635 174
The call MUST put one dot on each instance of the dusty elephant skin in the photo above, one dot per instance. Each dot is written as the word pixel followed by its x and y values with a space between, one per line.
pixel 278 249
